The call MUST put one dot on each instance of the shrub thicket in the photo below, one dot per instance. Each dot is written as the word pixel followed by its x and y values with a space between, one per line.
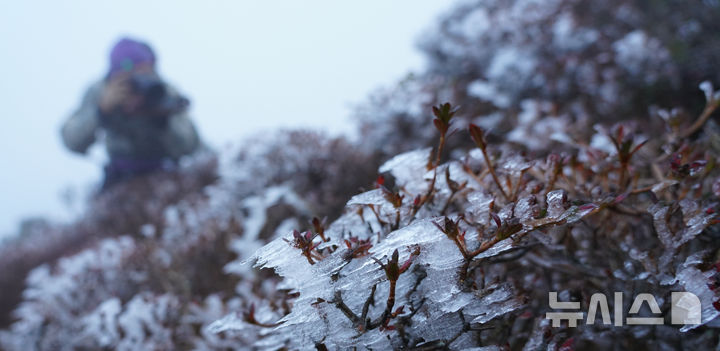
pixel 582 160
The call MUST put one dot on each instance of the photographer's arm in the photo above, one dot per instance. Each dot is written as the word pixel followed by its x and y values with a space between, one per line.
pixel 78 132
pixel 180 136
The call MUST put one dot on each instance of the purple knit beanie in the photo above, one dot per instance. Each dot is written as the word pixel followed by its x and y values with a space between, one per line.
pixel 127 53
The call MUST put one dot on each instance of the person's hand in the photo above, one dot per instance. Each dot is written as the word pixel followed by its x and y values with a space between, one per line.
pixel 115 94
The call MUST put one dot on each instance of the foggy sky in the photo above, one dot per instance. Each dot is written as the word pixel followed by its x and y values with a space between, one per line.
pixel 248 66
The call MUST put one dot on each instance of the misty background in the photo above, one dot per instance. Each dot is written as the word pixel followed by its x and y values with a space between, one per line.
pixel 247 67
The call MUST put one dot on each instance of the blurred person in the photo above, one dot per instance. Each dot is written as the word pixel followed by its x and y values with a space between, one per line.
pixel 144 120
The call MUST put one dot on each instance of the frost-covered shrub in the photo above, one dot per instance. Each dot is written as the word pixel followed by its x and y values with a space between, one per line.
pixel 465 253
pixel 164 273
pixel 122 210
pixel 462 237
pixel 309 162
pixel 585 60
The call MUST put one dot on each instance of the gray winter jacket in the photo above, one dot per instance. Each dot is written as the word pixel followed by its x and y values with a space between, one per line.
pixel 129 137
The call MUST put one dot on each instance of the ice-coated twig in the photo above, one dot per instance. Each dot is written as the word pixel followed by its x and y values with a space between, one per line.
pixel 478 135
pixel 710 107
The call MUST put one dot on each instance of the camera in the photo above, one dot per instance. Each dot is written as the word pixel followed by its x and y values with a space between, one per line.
pixel 156 99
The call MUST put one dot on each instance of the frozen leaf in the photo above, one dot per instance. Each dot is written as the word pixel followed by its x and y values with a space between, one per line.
pixel 708 90
pixel 373 197
pixel 229 322
pixel 695 281
pixel 695 221
pixel 406 167
pixel 556 201
pixel 657 188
